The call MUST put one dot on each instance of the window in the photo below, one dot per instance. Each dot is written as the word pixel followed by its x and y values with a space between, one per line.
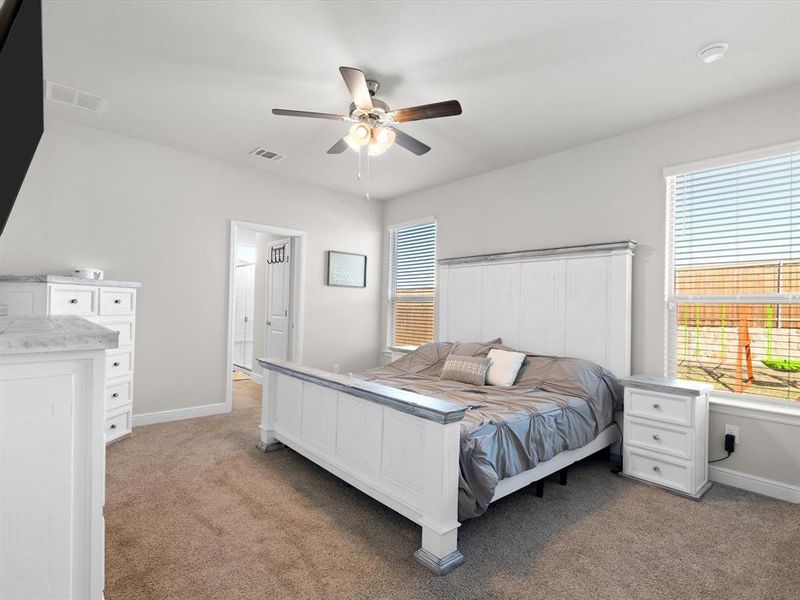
pixel 412 284
pixel 733 275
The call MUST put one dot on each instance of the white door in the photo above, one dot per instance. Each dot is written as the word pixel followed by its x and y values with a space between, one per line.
pixel 278 299
pixel 244 287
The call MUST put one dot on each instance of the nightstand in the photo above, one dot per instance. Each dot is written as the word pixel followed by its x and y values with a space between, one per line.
pixel 665 441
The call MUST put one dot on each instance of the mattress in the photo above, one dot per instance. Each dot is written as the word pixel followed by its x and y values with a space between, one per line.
pixel 556 404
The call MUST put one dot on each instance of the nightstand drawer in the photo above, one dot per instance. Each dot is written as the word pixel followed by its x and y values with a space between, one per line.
pixel 670 408
pixel 117 301
pixel 79 300
pixel 118 395
pixel 118 425
pixel 119 363
pixel 122 325
pixel 658 437
pixel 661 469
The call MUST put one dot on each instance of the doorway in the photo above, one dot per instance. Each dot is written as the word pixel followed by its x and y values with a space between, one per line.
pixel 265 305
pixel 244 305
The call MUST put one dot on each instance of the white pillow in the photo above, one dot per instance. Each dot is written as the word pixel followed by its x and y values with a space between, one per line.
pixel 503 367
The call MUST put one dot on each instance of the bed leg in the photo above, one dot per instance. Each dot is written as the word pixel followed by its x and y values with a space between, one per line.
pixel 439 552
pixel 266 446
pixel 540 488
pixel 439 519
pixel 268 441
pixel 562 476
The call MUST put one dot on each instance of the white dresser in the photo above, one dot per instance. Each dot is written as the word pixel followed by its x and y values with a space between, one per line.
pixel 665 438
pixel 52 457
pixel 111 304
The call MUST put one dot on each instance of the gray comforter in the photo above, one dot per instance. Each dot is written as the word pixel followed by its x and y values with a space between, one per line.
pixel 555 404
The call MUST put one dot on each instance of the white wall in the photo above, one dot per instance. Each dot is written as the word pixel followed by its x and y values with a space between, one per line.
pixel 161 216
pixel 608 191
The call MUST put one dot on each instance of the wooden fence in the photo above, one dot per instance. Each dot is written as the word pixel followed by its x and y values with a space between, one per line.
pixel 750 278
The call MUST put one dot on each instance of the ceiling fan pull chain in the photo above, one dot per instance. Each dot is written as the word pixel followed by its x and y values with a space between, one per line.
pixel 363 160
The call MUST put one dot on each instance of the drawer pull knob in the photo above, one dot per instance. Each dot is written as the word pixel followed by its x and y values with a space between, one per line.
pixel 73 300
pixel 657 469
pixel 114 426
pixel 115 395
pixel 657 406
pixel 117 301
pixel 656 437
pixel 116 364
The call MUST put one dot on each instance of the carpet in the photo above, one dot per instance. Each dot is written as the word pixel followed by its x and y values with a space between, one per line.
pixel 195 511
pixel 240 375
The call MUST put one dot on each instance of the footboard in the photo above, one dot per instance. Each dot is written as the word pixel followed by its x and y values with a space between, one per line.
pixel 399 447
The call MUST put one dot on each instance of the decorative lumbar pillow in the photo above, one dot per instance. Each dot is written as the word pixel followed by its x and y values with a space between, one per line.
pixel 503 367
pixel 466 369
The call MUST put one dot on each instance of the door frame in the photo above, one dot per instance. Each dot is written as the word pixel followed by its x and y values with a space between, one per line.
pixel 298 276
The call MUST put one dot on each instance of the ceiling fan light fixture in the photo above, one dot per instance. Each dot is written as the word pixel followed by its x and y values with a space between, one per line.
pixel 382 139
pixel 361 133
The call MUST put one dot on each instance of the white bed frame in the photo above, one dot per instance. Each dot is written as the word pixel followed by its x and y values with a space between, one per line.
pixel 402 448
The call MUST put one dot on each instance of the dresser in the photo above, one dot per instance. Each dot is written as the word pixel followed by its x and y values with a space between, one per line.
pixel 111 304
pixel 665 439
pixel 52 457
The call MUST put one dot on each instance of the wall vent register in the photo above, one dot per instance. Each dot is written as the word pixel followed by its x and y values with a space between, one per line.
pixel 269 155
pixel 65 94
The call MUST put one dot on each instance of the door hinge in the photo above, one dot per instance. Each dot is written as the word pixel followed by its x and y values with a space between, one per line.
pixel 286 313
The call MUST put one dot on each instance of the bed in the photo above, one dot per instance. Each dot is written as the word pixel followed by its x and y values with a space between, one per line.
pixel 556 404
pixel 439 452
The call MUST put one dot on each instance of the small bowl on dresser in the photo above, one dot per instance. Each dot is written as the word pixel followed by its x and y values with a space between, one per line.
pixel 87 273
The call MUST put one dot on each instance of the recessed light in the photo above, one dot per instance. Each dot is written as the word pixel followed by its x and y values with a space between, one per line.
pixel 712 52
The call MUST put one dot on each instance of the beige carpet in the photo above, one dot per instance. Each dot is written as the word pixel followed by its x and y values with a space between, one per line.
pixel 240 375
pixel 194 511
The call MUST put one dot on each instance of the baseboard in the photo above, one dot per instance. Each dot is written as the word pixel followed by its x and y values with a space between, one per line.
pixel 753 483
pixel 178 414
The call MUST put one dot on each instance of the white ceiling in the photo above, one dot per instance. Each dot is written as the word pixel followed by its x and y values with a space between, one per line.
pixel 533 77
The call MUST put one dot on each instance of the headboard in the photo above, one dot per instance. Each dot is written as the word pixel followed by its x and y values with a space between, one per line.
pixel 573 301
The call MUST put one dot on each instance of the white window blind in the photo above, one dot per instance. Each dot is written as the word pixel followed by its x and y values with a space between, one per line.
pixel 412 285
pixel 734 275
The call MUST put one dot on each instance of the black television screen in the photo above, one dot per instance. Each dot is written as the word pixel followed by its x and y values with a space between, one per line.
pixel 21 104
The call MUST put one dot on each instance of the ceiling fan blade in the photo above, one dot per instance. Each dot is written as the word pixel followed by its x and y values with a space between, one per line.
pixel 449 108
pixel 338 147
pixel 411 144
pixel 357 84
pixel 284 112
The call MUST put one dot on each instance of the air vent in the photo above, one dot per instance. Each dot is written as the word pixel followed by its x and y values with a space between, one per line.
pixel 65 94
pixel 262 153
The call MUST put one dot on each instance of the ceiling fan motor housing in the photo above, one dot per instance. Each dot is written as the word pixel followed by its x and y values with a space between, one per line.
pixel 378 112
pixel 373 87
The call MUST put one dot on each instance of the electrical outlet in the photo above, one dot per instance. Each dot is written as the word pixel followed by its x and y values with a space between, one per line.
pixel 336 368
pixel 733 430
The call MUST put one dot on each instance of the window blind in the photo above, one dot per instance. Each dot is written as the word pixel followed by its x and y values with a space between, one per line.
pixel 412 290
pixel 734 275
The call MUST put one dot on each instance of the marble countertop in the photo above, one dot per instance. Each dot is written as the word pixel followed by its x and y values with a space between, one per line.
pixel 432 409
pixel 69 279
pixel 27 335
pixel 669 385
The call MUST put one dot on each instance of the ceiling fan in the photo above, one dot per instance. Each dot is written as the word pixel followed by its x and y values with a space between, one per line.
pixel 373 126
